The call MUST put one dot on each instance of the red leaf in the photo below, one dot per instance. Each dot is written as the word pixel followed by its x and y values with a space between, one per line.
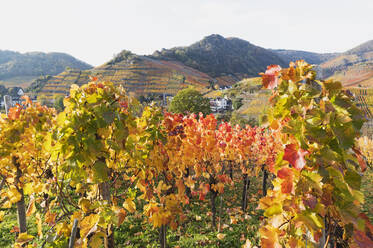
pixel 15 229
pixel 270 77
pixel 310 201
pixel 361 160
pixel 287 186
pixel 93 78
pixel 295 156
pixel 285 173
pixel 362 240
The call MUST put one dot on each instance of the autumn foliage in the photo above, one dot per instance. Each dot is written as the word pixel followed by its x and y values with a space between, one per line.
pixel 106 157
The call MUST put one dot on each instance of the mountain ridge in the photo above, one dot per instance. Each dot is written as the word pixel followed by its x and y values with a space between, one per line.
pixel 218 56
pixel 31 65
pixel 214 60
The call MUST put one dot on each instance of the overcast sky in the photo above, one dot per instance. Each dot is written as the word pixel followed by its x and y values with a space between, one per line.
pixel 95 30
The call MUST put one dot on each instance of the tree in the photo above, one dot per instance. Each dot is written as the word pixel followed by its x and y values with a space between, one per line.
pixel 58 103
pixel 190 101
pixel 237 103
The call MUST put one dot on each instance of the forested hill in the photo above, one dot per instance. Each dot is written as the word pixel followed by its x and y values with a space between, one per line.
pixel 218 56
pixel 18 67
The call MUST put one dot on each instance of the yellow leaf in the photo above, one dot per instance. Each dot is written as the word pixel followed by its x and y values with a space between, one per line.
pixel 121 214
pixel 198 217
pixel 7 204
pixel 50 218
pixel 96 241
pixel 89 225
pixel 39 224
pixel 2 213
pixel 14 195
pixel 63 229
pixel 220 236
pixel 233 220
pixel 129 205
pixel 85 205
pixel 31 208
pixel 23 238
pixel 28 189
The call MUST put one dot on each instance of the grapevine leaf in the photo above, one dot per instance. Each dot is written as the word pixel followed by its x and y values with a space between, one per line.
pixel 269 238
pixel 100 171
pixel 31 208
pixel 295 156
pixel 270 77
pixel 129 205
pixel 96 240
pixel 24 238
pixel 353 179
pixel 275 208
pixel 285 173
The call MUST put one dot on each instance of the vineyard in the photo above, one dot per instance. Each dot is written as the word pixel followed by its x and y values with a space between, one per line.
pixel 108 172
pixel 139 74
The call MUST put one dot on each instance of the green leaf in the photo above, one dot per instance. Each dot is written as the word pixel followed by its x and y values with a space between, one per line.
pixel 353 179
pixel 100 172
pixel 108 117
pixel 311 219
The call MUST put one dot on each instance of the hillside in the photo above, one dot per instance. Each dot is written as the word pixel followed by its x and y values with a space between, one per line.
pixel 218 57
pixel 249 100
pixel 310 57
pixel 19 69
pixel 353 67
pixel 213 60
pixel 138 74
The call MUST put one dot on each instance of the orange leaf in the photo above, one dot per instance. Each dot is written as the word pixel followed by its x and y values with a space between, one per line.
pixel 14 112
pixel 269 238
pixel 270 77
pixel 284 173
pixel 93 78
pixel 27 100
pixel 286 186
pixel 361 160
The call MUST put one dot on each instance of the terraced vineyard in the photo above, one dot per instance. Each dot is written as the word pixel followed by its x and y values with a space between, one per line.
pixel 139 74
pixel 360 74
